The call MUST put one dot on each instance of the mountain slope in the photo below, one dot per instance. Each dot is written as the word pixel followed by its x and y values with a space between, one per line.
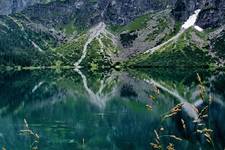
pixel 91 49
pixel 189 50
pixel 145 32
pixel 22 44
pixel 102 32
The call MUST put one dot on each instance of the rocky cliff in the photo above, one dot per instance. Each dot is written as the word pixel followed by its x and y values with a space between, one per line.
pixel 85 13
pixel 212 14
pixel 212 11
pixel 89 12
pixel 183 8
pixel 12 6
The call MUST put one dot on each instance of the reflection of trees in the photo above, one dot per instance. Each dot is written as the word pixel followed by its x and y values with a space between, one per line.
pixel 37 88
pixel 47 87
pixel 16 89
pixel 218 84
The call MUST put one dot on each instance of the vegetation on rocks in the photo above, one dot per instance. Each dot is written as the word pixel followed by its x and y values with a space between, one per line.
pixel 182 53
pixel 19 45
pixel 27 42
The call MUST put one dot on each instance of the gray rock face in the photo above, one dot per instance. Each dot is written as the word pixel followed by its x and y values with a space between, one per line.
pixel 183 8
pixel 212 14
pixel 122 11
pixel 85 13
pixel 11 6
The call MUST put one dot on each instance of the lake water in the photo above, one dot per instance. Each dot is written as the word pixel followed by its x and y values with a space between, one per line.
pixel 72 109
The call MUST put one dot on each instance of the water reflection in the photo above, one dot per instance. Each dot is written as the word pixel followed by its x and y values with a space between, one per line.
pixel 73 109
pixel 98 98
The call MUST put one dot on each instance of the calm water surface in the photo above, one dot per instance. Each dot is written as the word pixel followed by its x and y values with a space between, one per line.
pixel 71 109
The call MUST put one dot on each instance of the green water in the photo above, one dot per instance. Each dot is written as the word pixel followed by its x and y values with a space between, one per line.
pixel 82 110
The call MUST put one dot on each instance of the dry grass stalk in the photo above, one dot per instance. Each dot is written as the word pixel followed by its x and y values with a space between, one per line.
pixel 170 147
pixel 3 148
pixel 173 111
pixel 149 107
pixel 207 134
pixel 204 112
pixel 157 145
pixel 183 124
pixel 201 87
pixel 152 97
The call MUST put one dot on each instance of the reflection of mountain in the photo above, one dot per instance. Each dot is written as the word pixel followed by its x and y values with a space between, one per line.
pixel 41 88
pixel 59 107
pixel 22 88
pixel 98 98
pixel 63 114
pixel 49 87
pixel 218 84
pixel 189 96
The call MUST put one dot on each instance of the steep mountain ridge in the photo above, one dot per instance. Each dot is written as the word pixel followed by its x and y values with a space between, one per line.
pixel 50 31
pixel 89 12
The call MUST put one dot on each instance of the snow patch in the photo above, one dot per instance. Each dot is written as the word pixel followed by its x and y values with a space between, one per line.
pixel 191 20
pixel 198 28
pixel 189 23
